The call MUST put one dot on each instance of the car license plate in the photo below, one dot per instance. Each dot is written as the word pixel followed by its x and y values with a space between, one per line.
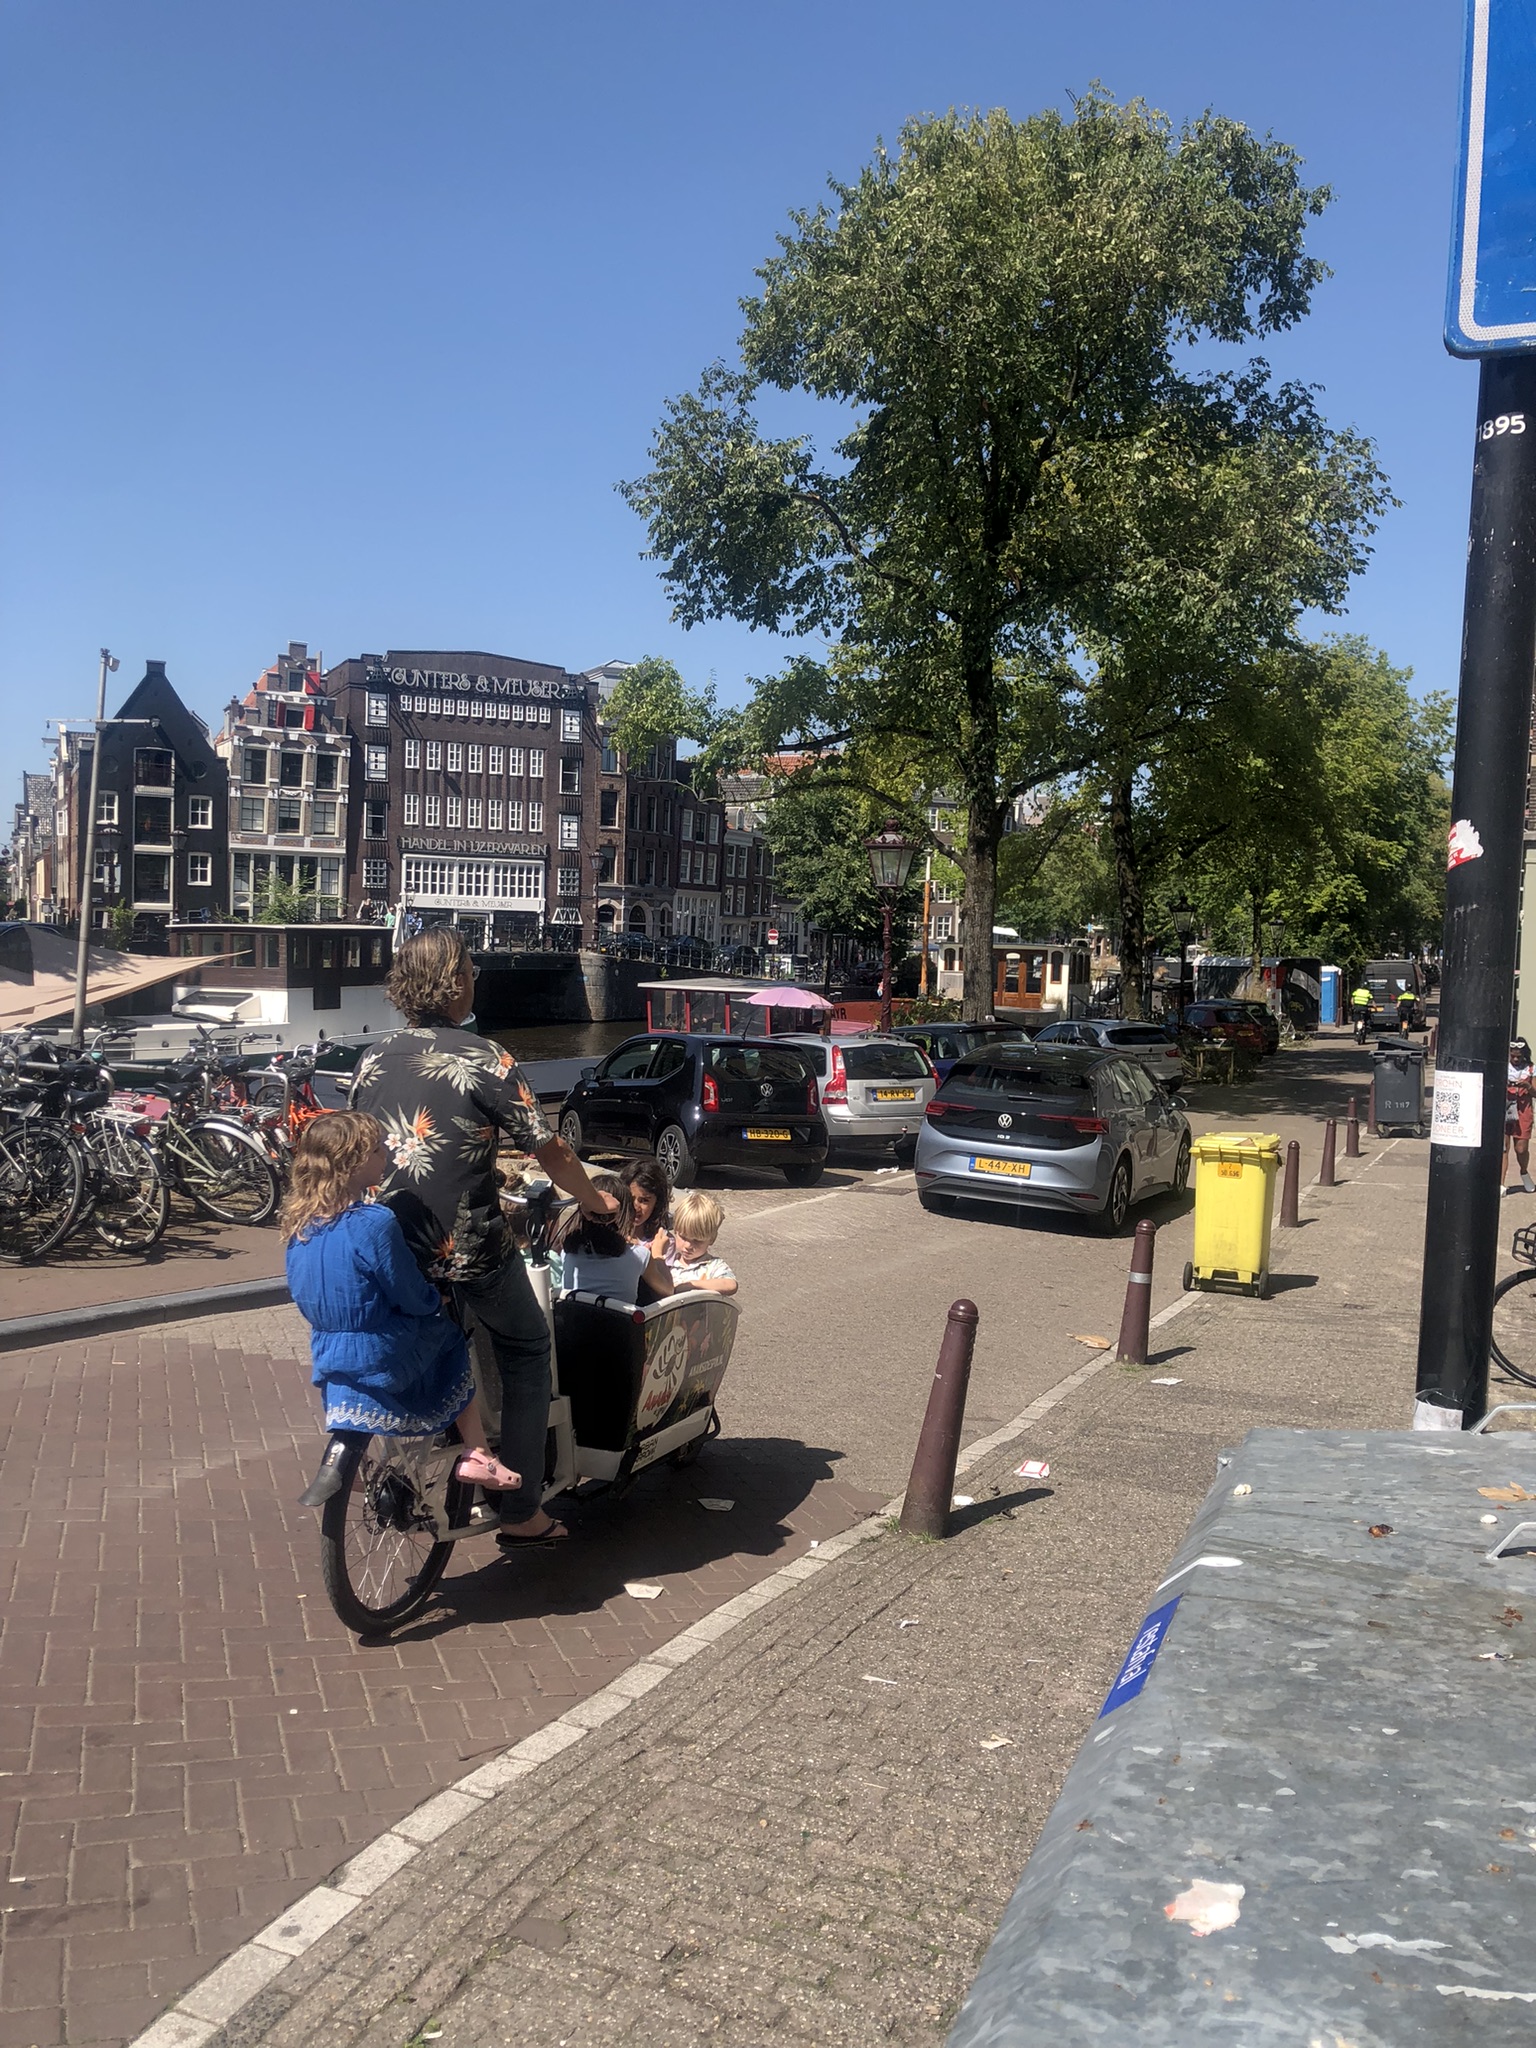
pixel 773 1137
pixel 1019 1169
pixel 895 1095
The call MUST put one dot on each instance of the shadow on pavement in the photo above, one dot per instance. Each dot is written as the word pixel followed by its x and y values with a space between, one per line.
pixel 656 1531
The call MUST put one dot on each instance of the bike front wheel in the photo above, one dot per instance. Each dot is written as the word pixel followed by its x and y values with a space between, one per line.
pixel 1514 1326
pixel 131 1203
pixel 380 1555
pixel 225 1173
pixel 42 1185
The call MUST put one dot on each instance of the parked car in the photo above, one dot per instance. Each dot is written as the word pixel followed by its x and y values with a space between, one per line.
pixel 873 1090
pixel 698 1099
pixel 1267 1022
pixel 1212 1022
pixel 943 1044
pixel 1148 1043
pixel 1052 1127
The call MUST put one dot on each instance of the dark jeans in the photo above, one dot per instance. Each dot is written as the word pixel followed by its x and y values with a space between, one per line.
pixel 503 1304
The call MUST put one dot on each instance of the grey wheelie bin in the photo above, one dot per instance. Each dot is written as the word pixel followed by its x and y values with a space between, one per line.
pixel 1397 1079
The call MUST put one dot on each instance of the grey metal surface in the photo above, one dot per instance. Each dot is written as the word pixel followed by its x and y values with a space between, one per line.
pixel 1341 1724
pixel 24 1333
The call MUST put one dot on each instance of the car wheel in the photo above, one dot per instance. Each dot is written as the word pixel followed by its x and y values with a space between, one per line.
pixel 1118 1201
pixel 805 1176
pixel 1180 1181
pixel 906 1151
pixel 675 1157
pixel 936 1205
pixel 570 1129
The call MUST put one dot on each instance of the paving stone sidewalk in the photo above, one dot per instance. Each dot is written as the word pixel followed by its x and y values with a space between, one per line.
pixel 808 1832
pixel 188 1738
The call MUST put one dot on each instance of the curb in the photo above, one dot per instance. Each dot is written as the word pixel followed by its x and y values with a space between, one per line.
pixel 214 2000
pixel 24 1333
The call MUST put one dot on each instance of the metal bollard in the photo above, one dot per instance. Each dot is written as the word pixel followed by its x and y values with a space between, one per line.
pixel 1330 1139
pixel 1352 1132
pixel 1371 1111
pixel 1137 1313
pixel 1290 1188
pixel 925 1508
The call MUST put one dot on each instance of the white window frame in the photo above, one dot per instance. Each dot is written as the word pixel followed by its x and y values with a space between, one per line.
pixel 476 760
pixel 493 814
pixel 455 758
pixel 535 817
pixel 376 874
pixel 473 810
pixel 455 815
pixel 434 756
pixel 412 808
pixel 536 763
pixel 514 760
pixel 494 761
pixel 196 862
pixel 199 813
pixel 378 709
pixel 376 763
pixel 106 807
pixel 570 725
pixel 434 811
pixel 514 814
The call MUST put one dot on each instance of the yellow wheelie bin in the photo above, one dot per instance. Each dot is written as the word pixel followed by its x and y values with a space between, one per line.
pixel 1234 1202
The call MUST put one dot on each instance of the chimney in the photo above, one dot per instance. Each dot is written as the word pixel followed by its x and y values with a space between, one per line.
pixel 298 651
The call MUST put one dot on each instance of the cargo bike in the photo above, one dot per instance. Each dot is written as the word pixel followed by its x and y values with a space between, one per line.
pixel 631 1386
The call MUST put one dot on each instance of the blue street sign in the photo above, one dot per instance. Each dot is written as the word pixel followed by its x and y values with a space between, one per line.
pixel 1491 305
pixel 1140 1657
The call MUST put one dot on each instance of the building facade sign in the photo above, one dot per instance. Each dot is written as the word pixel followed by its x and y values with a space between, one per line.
pixel 550 689
pixel 503 849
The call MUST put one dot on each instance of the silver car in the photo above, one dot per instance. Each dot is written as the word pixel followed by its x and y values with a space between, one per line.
pixel 1052 1127
pixel 1148 1043
pixel 872 1089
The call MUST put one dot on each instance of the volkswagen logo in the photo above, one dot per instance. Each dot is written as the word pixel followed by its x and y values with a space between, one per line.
pixel 765 1089
pixel 1005 1122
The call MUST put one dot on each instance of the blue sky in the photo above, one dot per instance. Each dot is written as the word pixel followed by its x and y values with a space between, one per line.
pixel 338 321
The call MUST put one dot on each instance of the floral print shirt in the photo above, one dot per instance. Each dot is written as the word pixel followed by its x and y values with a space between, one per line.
pixel 447 1100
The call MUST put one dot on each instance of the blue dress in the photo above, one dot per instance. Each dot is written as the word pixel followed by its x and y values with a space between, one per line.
pixel 384 1354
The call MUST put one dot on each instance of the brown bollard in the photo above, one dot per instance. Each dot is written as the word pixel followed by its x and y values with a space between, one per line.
pixel 1370 1124
pixel 925 1509
pixel 1290 1188
pixel 1137 1313
pixel 1330 1140
pixel 1352 1132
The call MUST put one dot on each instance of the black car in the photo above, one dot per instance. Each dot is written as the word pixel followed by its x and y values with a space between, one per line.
pixel 702 1099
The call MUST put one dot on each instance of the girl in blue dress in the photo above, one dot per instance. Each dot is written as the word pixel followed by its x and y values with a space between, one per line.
pixel 387 1359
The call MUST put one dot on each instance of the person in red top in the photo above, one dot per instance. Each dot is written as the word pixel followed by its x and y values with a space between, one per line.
pixel 1517 1116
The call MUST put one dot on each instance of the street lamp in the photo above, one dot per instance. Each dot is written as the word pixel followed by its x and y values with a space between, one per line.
pixel 1183 923
pixel 598 856
pixel 890 860
pixel 108 664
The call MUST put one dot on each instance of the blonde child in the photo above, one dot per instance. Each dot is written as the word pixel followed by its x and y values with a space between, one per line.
pixel 387 1359
pixel 696 1221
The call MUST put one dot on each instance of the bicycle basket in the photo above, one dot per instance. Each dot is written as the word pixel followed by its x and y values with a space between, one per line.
pixel 1524 1245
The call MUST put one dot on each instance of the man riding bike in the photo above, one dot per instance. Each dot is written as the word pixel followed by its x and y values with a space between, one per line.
pixel 1360 1005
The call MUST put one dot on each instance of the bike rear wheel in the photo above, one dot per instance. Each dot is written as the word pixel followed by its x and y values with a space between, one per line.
pixel 1514 1326
pixel 379 1555
pixel 226 1173
pixel 42 1185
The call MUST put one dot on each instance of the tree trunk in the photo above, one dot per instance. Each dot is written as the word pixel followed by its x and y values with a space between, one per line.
pixel 1133 918
pixel 978 911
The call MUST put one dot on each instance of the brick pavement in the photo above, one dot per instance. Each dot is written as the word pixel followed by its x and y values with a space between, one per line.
pixel 190 1740
pixel 808 1834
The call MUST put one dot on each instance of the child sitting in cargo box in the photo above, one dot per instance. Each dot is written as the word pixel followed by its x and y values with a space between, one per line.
pixel 696 1221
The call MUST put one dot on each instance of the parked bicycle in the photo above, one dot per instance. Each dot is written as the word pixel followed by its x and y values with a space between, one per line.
pixel 1514 1313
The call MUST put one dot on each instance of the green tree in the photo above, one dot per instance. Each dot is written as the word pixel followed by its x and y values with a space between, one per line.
pixel 1002 316
pixel 280 902
pixel 120 924
pixel 817 837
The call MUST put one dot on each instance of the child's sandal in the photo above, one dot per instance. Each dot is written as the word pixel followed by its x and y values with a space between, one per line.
pixel 479 1468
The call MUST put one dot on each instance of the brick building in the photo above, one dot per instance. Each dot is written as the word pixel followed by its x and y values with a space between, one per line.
pixel 478 776
pixel 289 760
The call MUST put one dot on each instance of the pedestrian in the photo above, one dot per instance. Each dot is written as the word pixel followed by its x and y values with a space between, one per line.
pixel 1518 1092
pixel 384 1355
pixel 447 1098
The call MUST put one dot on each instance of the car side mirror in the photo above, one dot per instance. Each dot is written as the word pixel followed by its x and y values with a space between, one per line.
pixel 1177 1102
pixel 588 1072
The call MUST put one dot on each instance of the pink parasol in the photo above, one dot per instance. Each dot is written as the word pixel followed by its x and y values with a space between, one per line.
pixel 787 999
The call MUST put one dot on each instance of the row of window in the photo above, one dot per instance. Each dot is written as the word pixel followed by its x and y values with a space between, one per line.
pixel 652 867
pixel 256 766
pixel 488 881
pixel 252 871
pixel 265 949
pixel 477 707
pixel 657 814
pixel 489 814
pixel 199 810
pixel 285 813
pixel 738 860
pixel 473 759
pixel 151 874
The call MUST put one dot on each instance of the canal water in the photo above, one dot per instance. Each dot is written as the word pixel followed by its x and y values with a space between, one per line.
pixel 565 1041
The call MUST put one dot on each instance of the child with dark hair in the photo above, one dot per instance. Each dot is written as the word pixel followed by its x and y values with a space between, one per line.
pixel 650 1198
pixel 603 1257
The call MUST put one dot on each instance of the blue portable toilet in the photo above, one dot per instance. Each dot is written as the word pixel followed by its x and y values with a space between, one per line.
pixel 1333 979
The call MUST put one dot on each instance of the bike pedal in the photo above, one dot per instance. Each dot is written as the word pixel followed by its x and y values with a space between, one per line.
pixel 483 1516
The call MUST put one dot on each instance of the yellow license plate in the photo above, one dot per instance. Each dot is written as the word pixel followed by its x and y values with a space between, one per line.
pixel 895 1095
pixel 1229 1169
pixel 774 1137
pixel 1019 1169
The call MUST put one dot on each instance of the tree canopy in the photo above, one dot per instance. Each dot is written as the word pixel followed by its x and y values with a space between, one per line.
pixel 1033 486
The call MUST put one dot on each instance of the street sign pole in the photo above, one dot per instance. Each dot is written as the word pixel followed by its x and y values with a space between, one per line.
pixel 1491 315
pixel 1493 754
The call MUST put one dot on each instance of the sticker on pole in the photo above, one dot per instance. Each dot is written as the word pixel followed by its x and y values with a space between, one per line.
pixel 1465 844
pixel 1457 1117
pixel 1140 1658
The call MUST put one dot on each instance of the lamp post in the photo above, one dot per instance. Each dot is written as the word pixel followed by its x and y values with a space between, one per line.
pixel 1183 924
pixel 108 663
pixel 598 855
pixel 890 861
